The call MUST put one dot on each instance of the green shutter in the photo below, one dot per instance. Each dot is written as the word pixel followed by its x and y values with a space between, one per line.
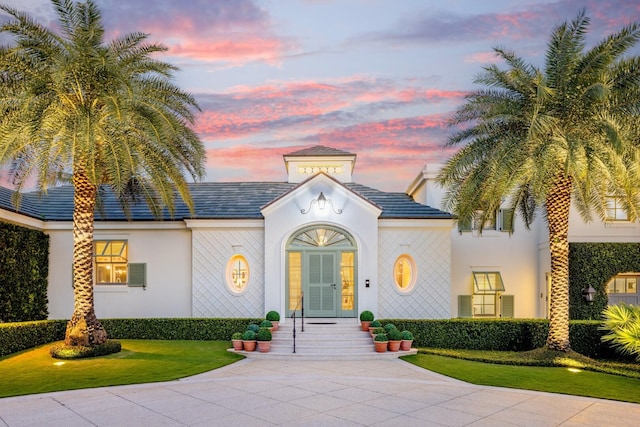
pixel 506 220
pixel 465 306
pixel 506 306
pixel 138 275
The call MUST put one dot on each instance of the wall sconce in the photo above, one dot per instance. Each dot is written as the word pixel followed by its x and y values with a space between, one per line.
pixel 321 201
pixel 588 294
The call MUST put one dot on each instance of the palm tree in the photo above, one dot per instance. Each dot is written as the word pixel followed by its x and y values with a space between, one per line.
pixel 105 114
pixel 540 139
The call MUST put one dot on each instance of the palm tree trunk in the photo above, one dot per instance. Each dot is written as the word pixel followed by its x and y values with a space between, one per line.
pixel 83 328
pixel 557 206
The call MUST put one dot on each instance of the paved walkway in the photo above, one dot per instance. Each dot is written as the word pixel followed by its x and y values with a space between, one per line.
pixel 263 393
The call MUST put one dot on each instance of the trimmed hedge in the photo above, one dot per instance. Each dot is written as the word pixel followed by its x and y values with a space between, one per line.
pixel 24 267
pixel 20 336
pixel 503 335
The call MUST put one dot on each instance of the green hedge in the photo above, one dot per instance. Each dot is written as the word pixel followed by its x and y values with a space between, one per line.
pixel 502 335
pixel 594 264
pixel 21 336
pixel 24 267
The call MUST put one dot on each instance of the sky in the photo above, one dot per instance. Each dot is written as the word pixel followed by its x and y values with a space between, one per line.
pixel 378 78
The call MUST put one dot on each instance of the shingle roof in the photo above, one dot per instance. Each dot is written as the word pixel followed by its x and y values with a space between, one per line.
pixel 212 200
pixel 319 150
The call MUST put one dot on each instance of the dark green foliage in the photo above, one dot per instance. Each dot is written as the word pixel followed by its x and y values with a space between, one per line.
pixel 62 351
pixel 248 335
pixel 264 334
pixel 394 335
pixel 389 326
pixel 24 267
pixel 375 324
pixel 236 336
pixel 379 330
pixel 503 335
pixel 366 316
pixel 16 337
pixel 594 264
pixel 381 338
pixel 266 324
pixel 253 327
pixel 175 329
pixel 407 335
pixel 273 316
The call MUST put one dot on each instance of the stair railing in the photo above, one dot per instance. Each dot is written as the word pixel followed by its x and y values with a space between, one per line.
pixel 300 306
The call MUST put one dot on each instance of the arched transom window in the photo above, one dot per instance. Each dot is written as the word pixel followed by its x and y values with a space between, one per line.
pixel 322 237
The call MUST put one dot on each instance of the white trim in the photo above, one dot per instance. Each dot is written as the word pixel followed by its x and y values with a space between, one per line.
pixel 445 224
pixel 20 219
pixel 224 223
pixel 124 225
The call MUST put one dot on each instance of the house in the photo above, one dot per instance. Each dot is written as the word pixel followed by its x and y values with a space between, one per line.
pixel 252 247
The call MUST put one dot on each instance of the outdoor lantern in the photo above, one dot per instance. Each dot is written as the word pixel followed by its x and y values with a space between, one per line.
pixel 588 294
pixel 322 201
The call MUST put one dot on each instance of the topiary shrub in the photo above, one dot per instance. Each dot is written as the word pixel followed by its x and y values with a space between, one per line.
pixel 273 316
pixel 248 335
pixel 266 324
pixel 264 334
pixel 394 335
pixel 389 326
pixel 379 330
pixel 381 338
pixel 236 336
pixel 375 324
pixel 366 316
pixel 407 335
pixel 253 327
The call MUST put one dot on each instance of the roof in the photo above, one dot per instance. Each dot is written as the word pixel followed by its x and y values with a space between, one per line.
pixel 212 200
pixel 318 150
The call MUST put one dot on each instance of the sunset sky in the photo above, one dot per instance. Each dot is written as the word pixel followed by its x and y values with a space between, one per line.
pixel 372 77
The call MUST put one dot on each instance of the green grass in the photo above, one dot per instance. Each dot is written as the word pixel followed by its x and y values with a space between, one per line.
pixel 565 380
pixel 140 361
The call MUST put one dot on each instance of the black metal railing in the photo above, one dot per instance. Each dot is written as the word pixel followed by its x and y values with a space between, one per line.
pixel 293 316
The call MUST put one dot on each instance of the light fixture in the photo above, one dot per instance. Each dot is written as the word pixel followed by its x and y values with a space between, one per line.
pixel 588 294
pixel 321 201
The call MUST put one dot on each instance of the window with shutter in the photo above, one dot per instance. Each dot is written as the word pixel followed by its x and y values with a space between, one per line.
pixel 465 305
pixel 138 275
pixel 506 306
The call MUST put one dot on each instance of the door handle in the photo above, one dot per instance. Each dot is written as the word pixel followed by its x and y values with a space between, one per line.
pixel 333 286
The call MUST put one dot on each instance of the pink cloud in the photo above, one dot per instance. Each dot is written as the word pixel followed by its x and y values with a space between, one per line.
pixel 482 58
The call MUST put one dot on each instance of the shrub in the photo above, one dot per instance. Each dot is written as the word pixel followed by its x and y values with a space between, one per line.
pixel 378 331
pixel 248 335
pixel 174 328
pixel 622 322
pixel 236 336
pixel 375 324
pixel 389 326
pixel 20 336
pixel 266 324
pixel 394 335
pixel 63 351
pixel 253 327
pixel 407 335
pixel 366 316
pixel 381 338
pixel 273 316
pixel 264 334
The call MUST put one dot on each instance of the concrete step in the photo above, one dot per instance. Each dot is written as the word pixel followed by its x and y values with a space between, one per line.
pixel 323 339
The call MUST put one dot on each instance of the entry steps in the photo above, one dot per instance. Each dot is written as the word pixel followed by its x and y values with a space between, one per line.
pixel 323 339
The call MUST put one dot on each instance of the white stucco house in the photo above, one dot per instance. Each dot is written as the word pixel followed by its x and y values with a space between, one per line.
pixel 252 247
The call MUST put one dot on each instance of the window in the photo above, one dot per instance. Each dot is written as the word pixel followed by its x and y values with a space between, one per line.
pixel 111 262
pixel 237 273
pixel 615 211
pixel 486 288
pixel 502 221
pixel 623 284
pixel 404 273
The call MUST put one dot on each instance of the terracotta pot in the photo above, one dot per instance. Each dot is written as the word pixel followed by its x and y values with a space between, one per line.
pixel 249 345
pixel 406 345
pixel 264 346
pixel 275 324
pixel 381 346
pixel 394 345
pixel 365 325
pixel 371 328
pixel 237 344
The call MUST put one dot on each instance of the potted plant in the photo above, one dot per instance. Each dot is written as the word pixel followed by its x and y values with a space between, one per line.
pixel 253 327
pixel 264 340
pixel 365 319
pixel 377 331
pixel 381 343
pixel 407 340
pixel 274 318
pixel 236 339
pixel 249 340
pixel 374 324
pixel 267 324
pixel 395 339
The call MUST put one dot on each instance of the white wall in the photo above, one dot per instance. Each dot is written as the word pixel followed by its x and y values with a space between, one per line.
pixel 164 247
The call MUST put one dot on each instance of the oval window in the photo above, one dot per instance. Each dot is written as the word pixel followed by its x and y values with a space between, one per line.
pixel 404 273
pixel 237 273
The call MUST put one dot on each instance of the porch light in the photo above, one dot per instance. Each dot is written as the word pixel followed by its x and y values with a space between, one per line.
pixel 588 294
pixel 321 201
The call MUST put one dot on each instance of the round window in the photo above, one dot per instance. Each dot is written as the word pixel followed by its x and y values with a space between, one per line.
pixel 404 273
pixel 237 273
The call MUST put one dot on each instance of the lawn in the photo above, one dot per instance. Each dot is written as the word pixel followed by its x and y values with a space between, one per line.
pixel 565 380
pixel 140 361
